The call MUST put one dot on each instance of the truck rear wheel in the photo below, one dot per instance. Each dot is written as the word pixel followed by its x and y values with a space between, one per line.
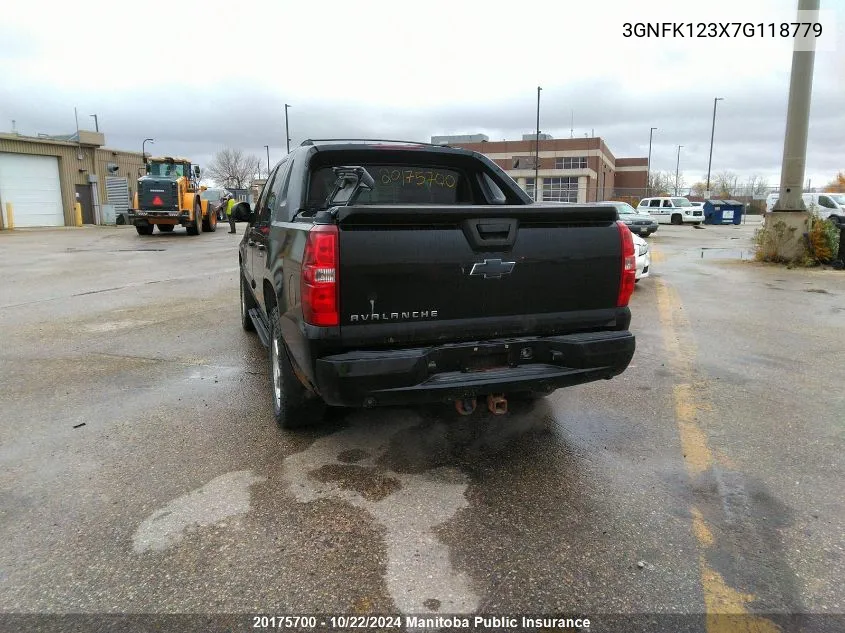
pixel 195 227
pixel 293 405
pixel 146 229
pixel 677 220
pixel 209 223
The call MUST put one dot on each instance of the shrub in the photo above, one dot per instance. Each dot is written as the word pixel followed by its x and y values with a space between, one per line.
pixel 823 240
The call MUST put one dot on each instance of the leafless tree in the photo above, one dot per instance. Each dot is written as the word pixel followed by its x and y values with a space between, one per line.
pixel 756 186
pixel 725 184
pixel 232 168
pixel 661 183
pixel 698 189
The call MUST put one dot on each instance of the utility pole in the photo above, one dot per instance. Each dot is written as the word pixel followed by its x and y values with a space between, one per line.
pixel 712 131
pixel 677 166
pixel 287 129
pixel 267 147
pixel 797 122
pixel 648 165
pixel 537 149
pixel 96 123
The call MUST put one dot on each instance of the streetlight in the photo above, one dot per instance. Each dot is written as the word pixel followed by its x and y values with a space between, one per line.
pixel 648 164
pixel 537 149
pixel 287 129
pixel 143 151
pixel 267 147
pixel 96 123
pixel 677 165
pixel 712 130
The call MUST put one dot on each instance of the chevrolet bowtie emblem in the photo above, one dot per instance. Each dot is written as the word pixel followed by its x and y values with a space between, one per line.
pixel 492 268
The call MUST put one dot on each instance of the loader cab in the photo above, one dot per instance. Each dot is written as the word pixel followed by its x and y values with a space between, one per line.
pixel 169 168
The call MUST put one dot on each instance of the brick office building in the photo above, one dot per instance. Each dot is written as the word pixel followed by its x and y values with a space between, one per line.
pixel 570 170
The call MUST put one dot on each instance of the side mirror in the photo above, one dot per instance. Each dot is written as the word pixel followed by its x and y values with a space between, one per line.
pixel 350 182
pixel 197 171
pixel 147 167
pixel 242 212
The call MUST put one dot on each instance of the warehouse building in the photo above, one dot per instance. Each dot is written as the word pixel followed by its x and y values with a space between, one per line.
pixel 570 169
pixel 43 177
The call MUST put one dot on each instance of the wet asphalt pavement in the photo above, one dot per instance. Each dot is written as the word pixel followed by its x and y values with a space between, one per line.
pixel 140 469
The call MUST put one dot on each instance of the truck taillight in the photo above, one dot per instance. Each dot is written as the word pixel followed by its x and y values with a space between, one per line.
pixel 629 265
pixel 319 284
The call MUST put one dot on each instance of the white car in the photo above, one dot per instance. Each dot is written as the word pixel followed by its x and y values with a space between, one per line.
pixel 643 257
pixel 829 206
pixel 672 210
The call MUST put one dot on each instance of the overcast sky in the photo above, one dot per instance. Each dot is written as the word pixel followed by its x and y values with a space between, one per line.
pixel 199 76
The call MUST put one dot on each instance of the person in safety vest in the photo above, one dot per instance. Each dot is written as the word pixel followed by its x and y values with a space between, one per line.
pixel 230 203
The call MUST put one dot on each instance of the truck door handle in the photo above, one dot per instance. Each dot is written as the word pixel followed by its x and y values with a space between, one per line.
pixel 250 243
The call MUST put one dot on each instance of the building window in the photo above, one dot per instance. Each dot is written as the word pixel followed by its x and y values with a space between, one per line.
pixel 571 162
pixel 560 189
pixel 523 162
pixel 529 187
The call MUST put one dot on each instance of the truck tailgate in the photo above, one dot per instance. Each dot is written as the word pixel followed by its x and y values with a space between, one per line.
pixel 420 274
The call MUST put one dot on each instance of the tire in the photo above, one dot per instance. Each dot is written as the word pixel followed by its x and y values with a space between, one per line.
pixel 696 223
pixel 294 406
pixel 247 304
pixel 209 223
pixel 165 228
pixel 196 226
pixel 677 220
pixel 144 230
pixel 835 221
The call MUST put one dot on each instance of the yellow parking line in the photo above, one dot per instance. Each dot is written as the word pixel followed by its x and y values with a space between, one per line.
pixel 725 606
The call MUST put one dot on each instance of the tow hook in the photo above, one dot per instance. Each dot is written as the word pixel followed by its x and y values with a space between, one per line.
pixel 466 406
pixel 497 404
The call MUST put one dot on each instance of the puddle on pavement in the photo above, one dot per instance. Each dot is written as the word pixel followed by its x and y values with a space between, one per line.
pixel 371 483
pixel 721 252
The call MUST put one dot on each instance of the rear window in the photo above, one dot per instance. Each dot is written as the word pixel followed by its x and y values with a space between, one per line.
pixel 397 184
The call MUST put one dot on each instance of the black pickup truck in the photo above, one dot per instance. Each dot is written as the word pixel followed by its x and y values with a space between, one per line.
pixel 388 272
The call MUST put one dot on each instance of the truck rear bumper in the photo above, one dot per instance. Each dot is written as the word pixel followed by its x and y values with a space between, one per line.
pixel 448 372
pixel 135 216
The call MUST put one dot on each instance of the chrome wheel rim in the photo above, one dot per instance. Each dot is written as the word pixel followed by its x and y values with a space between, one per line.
pixel 277 374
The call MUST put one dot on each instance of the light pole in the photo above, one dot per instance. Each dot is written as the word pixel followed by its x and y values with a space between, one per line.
pixel 96 123
pixel 143 151
pixel 267 147
pixel 648 165
pixel 677 166
pixel 712 131
pixel 537 149
pixel 287 129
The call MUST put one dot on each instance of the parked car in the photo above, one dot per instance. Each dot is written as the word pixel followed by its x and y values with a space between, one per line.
pixel 214 197
pixel 674 210
pixel 640 223
pixel 643 258
pixel 382 272
pixel 829 206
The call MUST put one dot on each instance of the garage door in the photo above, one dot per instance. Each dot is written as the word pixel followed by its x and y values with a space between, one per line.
pixel 31 184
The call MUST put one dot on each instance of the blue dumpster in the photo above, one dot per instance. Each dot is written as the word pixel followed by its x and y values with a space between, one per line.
pixel 723 212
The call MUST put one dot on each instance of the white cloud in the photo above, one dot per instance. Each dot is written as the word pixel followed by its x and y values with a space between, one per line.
pixel 201 75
